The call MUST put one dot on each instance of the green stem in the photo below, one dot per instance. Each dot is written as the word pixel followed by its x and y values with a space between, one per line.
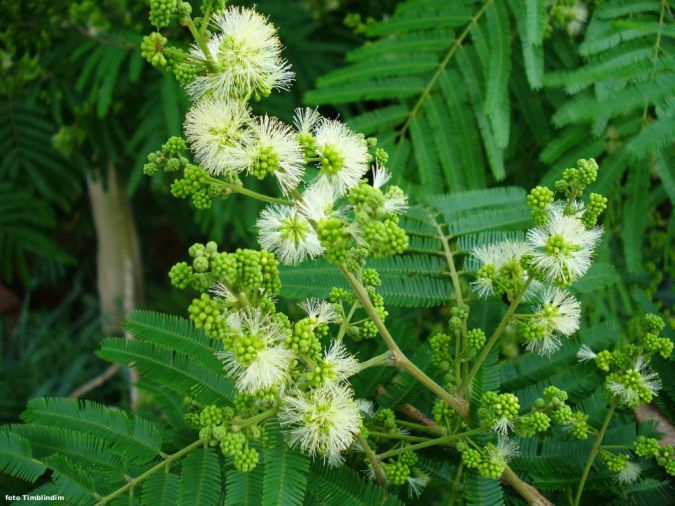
pixel 374 461
pixel 594 452
pixel 418 426
pixel 344 326
pixel 255 419
pixel 200 42
pixel 259 196
pixel 443 440
pixel 397 356
pixel 526 491
pixel 401 437
pixel 455 483
pixel 384 359
pixel 494 338
pixel 162 465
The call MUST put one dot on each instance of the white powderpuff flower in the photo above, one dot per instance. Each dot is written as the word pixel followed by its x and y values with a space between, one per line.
pixel 416 484
pixel 322 421
pixel 545 346
pixel 246 54
pixel 269 362
pixel 580 12
pixel 343 153
pixel 381 176
pixel 586 354
pixel 286 232
pixel 646 380
pixel 317 200
pixel 493 257
pixel 629 474
pixel 215 129
pixel 305 120
pixel 562 248
pixel 272 148
pixel 321 310
pixel 223 292
pixel 502 426
pixel 366 407
pixel 505 450
pixel 561 310
pixel 342 363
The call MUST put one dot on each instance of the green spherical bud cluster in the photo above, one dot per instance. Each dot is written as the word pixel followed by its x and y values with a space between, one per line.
pixel 306 337
pixel 471 458
pixel 308 143
pixel 397 472
pixel 381 156
pixel 646 447
pixel 183 10
pixel 385 418
pixel 246 459
pixel 181 275
pixel 595 207
pixel 335 238
pixel 493 466
pixel 539 199
pixel 370 277
pixel 356 258
pixel 624 358
pixel 161 12
pixel 630 380
pixel 440 348
pixel 475 339
pixel 232 443
pixel 496 407
pixel 574 181
pixel 366 198
pixel 664 458
pixel 207 313
pixel 331 161
pixel 531 424
pixel 152 49
pixel 603 360
pixel 562 415
pixel 652 323
pixel 579 428
pixel 409 458
pixel 265 164
pixel 169 159
pixel 210 417
pixel 206 435
pixel 337 294
pixel 654 343
pixel 385 238
pixel 615 463
pixel 224 267
pixel 323 373
pixel 195 184
pixel 460 311
pixel 364 330
pixel 444 415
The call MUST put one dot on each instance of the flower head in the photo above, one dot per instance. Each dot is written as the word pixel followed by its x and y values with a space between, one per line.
pixel 343 154
pixel 216 128
pixel 254 354
pixel 562 248
pixel 557 315
pixel 321 310
pixel 497 260
pixel 322 421
pixel 272 148
pixel 341 363
pixel 629 474
pixel 246 53
pixel 636 386
pixel 286 232
pixel 317 200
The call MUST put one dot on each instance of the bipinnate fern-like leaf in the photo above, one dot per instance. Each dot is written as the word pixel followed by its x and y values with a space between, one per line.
pixel 132 437
pixel 200 478
pixel 285 478
pixel 16 457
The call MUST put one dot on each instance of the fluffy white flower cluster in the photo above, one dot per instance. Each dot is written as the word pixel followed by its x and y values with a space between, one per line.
pixel 321 419
pixel 554 254
pixel 244 61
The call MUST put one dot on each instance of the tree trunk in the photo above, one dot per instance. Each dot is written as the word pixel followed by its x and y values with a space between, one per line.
pixel 118 256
